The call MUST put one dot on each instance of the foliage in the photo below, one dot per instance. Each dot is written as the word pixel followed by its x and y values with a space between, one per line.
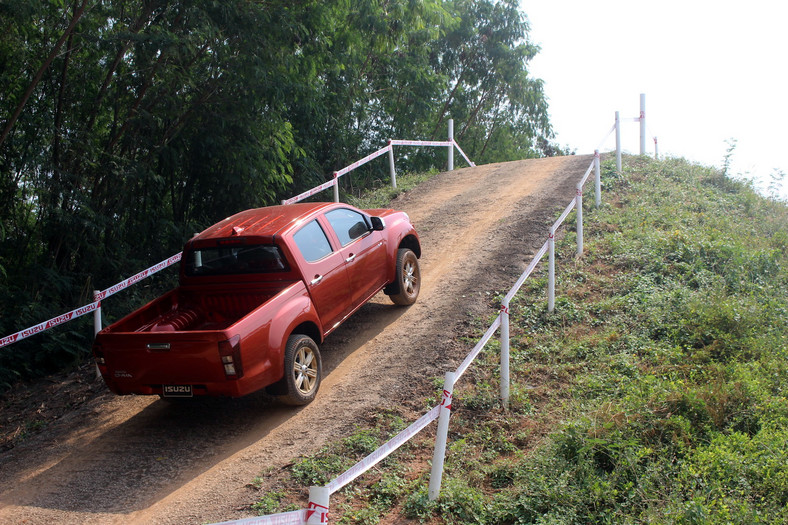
pixel 125 126
pixel 654 393
pixel 675 339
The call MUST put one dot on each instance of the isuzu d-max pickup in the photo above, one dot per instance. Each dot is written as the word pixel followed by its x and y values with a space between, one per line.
pixel 257 293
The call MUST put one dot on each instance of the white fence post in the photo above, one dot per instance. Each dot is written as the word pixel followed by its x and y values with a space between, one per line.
pixel 336 187
pixel 551 271
pixel 96 314
pixel 618 142
pixel 642 123
pixel 391 166
pixel 317 511
pixel 579 206
pixel 441 437
pixel 597 180
pixel 451 146
pixel 505 353
pixel 97 323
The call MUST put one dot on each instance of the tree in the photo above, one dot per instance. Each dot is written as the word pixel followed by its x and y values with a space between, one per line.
pixel 128 125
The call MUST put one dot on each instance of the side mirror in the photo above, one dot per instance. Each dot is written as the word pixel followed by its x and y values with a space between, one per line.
pixel 377 224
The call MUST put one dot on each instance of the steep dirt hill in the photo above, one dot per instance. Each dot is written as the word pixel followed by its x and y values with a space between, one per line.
pixel 143 460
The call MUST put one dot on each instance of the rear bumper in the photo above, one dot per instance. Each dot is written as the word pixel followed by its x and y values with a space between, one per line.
pixel 226 389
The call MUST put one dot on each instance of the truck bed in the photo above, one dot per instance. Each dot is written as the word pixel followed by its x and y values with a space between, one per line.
pixel 187 309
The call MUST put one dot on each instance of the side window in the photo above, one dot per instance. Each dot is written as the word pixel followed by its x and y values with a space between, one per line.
pixel 312 242
pixel 347 224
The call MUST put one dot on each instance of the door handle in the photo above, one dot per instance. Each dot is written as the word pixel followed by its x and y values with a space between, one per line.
pixel 351 257
pixel 316 280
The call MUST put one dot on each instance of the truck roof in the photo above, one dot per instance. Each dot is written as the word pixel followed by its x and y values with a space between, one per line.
pixel 261 222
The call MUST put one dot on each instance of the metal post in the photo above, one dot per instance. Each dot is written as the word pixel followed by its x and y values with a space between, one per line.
pixel 505 353
pixel 96 314
pixel 579 206
pixel 618 142
pixel 336 187
pixel 441 437
pixel 391 166
pixel 451 146
pixel 597 180
pixel 97 324
pixel 642 124
pixel 551 271
pixel 317 511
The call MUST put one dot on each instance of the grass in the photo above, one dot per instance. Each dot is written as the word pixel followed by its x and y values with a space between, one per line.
pixel 654 393
pixel 381 195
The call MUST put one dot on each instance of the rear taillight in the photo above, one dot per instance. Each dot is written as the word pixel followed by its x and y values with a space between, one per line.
pixel 230 353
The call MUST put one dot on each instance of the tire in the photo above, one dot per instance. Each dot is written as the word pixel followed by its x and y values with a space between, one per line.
pixel 406 288
pixel 303 371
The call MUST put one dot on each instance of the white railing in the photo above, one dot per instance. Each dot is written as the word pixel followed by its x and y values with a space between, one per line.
pixel 318 506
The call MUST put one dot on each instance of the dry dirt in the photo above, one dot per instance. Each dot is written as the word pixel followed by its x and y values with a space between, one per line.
pixel 105 459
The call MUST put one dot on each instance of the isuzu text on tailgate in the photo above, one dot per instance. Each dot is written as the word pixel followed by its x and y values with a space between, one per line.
pixel 258 291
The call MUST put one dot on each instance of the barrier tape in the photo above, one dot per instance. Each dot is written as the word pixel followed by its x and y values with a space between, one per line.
pixel 112 290
pixel 472 165
pixel 564 215
pixel 612 129
pixel 46 325
pixel 436 143
pixel 478 348
pixel 384 451
pixel 79 312
pixel 527 272
pixel 363 161
pixel 309 193
pixel 296 517
pixel 587 174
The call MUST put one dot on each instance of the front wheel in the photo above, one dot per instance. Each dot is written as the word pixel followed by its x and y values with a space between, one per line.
pixel 303 370
pixel 408 277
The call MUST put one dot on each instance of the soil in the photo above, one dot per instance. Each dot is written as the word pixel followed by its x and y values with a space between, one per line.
pixel 72 453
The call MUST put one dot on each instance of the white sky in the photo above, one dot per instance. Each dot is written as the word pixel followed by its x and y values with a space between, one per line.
pixel 711 71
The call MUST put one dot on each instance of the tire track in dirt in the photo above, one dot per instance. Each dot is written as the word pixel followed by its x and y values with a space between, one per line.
pixel 142 460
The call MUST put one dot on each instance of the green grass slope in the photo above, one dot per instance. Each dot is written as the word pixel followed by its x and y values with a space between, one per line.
pixel 654 393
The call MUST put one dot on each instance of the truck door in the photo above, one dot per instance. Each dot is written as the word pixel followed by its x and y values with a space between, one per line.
pixel 324 273
pixel 364 252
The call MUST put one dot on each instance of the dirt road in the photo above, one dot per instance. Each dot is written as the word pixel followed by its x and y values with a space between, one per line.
pixel 143 460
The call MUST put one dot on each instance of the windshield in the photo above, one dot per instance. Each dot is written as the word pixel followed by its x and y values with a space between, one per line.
pixel 231 260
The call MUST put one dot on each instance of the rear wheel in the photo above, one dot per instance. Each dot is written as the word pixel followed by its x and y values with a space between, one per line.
pixel 303 370
pixel 408 278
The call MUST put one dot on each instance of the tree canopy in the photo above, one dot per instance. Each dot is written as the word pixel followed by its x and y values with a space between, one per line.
pixel 125 126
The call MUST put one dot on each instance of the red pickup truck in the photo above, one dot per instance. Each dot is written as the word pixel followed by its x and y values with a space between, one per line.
pixel 258 291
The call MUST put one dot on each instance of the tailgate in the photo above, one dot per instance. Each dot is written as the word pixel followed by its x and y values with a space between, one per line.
pixel 142 362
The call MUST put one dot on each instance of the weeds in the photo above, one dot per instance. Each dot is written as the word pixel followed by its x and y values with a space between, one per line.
pixel 656 390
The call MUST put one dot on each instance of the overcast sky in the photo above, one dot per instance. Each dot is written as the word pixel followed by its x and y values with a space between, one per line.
pixel 712 72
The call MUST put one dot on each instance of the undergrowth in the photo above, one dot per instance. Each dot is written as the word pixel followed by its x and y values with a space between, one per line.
pixel 654 393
